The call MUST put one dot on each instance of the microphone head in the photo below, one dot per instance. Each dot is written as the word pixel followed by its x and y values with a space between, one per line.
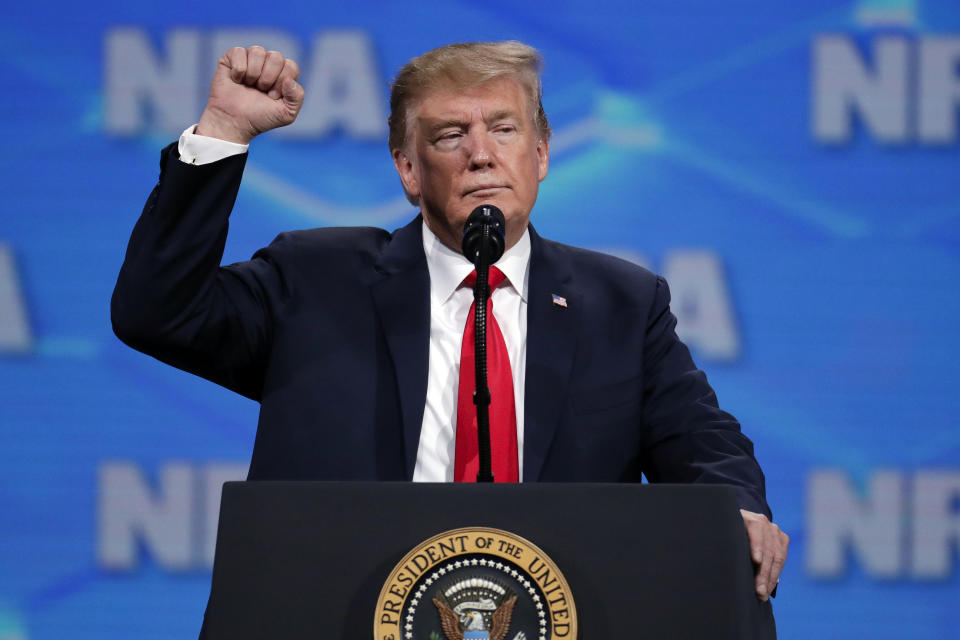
pixel 484 219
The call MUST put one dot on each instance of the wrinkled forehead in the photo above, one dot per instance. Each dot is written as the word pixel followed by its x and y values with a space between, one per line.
pixel 449 99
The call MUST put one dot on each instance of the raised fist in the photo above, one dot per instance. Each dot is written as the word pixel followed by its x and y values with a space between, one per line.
pixel 253 91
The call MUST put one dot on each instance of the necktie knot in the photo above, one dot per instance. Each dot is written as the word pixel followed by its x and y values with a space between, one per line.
pixel 494 280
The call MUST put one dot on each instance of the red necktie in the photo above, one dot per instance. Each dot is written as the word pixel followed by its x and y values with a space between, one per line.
pixel 503 413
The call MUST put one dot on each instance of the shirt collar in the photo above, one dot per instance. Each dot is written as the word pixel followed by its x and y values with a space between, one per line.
pixel 448 268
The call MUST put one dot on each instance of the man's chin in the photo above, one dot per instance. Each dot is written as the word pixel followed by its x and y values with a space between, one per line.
pixel 499 198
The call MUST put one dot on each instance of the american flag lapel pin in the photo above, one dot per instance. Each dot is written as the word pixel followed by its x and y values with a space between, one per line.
pixel 560 301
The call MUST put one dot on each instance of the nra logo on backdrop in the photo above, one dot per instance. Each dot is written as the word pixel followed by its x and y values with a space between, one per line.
pixel 163 86
pixel 900 86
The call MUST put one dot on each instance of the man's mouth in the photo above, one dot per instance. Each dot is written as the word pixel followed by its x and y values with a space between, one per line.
pixel 484 190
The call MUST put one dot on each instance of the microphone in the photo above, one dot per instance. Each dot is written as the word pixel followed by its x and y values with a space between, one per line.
pixel 484 233
pixel 483 244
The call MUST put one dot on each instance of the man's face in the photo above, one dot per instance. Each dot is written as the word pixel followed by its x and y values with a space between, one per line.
pixel 470 147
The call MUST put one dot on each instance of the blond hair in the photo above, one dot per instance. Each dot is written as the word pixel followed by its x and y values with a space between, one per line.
pixel 460 66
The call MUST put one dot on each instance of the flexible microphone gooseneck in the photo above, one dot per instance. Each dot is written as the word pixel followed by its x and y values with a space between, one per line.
pixel 483 243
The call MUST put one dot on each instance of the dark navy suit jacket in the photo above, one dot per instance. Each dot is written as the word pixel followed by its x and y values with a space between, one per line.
pixel 329 330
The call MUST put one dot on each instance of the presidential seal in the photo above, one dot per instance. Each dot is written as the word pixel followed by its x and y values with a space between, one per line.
pixel 475 583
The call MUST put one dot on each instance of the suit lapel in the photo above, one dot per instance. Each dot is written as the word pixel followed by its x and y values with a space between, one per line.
pixel 401 294
pixel 402 298
pixel 551 343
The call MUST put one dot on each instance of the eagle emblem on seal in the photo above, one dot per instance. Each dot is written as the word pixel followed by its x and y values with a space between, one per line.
pixel 476 609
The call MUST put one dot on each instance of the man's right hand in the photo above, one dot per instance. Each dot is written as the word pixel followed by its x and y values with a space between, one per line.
pixel 253 91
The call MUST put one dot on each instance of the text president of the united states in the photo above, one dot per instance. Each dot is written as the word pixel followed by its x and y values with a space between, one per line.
pixel 351 338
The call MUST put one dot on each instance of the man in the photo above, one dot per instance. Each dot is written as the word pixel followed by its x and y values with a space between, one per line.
pixel 351 338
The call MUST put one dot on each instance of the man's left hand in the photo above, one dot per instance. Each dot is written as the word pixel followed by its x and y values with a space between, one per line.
pixel 768 549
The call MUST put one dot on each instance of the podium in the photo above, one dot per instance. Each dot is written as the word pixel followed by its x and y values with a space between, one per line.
pixel 309 559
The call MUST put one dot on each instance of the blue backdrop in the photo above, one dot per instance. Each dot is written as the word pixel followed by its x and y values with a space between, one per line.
pixel 791 168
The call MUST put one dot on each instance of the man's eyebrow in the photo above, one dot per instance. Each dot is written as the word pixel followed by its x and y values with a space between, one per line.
pixel 432 125
pixel 502 114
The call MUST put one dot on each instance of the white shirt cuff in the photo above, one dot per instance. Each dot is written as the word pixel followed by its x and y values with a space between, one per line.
pixel 197 149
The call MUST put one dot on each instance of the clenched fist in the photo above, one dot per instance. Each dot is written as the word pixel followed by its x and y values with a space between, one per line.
pixel 253 91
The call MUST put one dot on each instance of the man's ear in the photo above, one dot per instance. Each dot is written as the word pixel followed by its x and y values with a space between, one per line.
pixel 543 157
pixel 407 172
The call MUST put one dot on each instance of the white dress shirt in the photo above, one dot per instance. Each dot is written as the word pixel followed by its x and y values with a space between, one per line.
pixel 449 306
pixel 197 149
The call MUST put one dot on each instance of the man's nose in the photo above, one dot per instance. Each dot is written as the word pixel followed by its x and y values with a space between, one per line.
pixel 480 150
